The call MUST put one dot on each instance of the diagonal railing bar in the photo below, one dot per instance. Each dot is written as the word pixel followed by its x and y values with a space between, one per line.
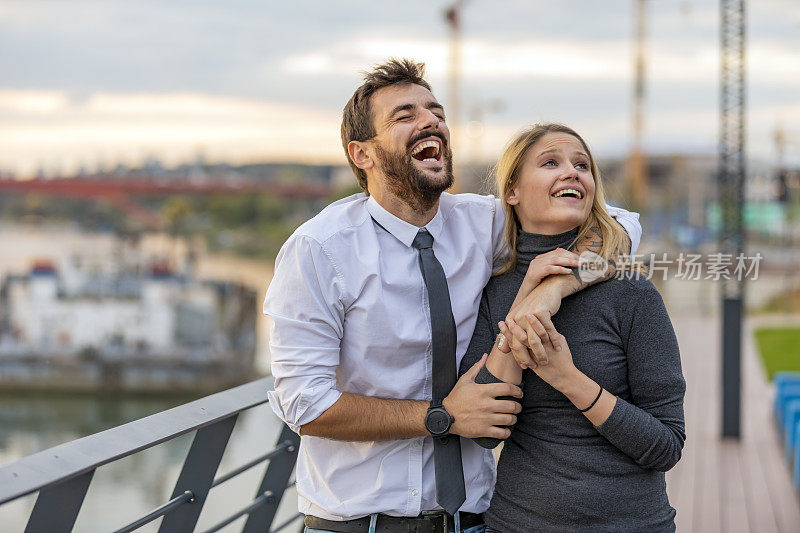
pixel 197 474
pixel 283 446
pixel 274 482
pixel 57 507
pixel 66 461
pixel 264 498
pixel 157 512
pixel 285 523
pixel 62 474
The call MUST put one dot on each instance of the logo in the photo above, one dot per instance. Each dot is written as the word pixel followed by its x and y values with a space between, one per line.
pixel 591 267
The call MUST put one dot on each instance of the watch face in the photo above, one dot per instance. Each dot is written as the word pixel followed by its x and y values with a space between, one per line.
pixel 437 421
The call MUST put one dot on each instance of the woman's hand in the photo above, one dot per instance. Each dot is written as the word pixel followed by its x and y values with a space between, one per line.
pixel 558 261
pixel 562 374
pixel 541 300
pixel 502 364
pixel 542 303
pixel 557 369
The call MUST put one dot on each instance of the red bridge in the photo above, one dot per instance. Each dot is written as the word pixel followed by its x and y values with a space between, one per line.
pixel 121 192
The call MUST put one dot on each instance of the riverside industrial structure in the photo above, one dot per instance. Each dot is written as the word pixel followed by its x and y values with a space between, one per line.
pixel 127 323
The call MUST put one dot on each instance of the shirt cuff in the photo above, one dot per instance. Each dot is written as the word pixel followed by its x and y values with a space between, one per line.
pixel 630 221
pixel 305 413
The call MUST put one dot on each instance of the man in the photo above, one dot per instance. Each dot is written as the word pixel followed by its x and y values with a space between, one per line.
pixel 373 304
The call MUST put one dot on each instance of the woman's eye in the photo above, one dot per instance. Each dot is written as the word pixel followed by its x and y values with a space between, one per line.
pixel 582 166
pixel 549 162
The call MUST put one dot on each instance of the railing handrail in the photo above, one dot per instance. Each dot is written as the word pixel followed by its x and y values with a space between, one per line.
pixel 71 459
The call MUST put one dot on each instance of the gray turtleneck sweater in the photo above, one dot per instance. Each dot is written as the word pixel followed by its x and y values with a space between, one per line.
pixel 557 471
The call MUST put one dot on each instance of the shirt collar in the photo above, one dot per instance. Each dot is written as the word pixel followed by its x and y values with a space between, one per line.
pixel 402 230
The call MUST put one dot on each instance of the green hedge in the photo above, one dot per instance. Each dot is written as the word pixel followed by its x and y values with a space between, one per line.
pixel 779 349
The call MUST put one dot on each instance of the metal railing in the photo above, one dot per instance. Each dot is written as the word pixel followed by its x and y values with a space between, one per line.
pixel 61 475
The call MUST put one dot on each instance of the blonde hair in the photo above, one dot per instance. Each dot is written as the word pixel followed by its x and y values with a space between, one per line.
pixel 507 173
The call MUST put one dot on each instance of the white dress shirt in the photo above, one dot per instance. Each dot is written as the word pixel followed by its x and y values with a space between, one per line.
pixel 350 313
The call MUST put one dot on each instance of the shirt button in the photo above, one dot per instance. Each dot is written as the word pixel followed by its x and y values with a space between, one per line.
pixel 415 492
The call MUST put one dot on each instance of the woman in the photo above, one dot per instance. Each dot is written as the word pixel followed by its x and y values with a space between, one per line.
pixel 603 419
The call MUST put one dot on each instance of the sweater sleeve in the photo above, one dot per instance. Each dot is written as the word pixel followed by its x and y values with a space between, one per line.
pixel 481 343
pixel 650 429
pixel 482 337
pixel 484 376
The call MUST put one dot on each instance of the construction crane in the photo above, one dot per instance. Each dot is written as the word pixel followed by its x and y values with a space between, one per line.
pixel 637 162
pixel 452 16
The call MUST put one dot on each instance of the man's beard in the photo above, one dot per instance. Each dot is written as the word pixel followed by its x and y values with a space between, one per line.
pixel 410 184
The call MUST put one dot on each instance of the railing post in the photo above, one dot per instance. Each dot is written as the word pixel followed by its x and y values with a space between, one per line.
pixel 57 507
pixel 197 474
pixel 275 480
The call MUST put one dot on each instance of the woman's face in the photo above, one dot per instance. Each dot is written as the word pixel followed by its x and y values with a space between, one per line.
pixel 555 190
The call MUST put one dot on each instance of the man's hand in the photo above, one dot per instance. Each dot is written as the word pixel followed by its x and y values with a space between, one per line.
pixel 554 262
pixel 540 305
pixel 476 409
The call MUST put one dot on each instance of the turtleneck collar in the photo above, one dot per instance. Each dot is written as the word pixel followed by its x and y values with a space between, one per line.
pixel 529 245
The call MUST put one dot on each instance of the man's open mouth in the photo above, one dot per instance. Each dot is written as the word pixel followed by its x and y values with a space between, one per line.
pixel 428 150
pixel 569 193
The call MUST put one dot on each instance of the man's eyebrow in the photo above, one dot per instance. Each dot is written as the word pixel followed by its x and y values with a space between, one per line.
pixel 401 107
pixel 409 107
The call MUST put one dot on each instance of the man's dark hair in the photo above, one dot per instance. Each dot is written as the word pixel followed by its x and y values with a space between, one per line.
pixel 357 122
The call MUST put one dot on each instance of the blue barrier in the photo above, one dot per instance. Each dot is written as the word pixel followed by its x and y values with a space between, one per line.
pixel 787 387
pixel 796 469
pixel 783 397
pixel 791 416
pixel 786 409
pixel 785 376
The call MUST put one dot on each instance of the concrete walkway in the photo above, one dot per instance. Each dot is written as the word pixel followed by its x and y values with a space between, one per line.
pixel 724 485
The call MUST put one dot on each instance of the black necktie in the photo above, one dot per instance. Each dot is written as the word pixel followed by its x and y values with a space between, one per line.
pixel 450 492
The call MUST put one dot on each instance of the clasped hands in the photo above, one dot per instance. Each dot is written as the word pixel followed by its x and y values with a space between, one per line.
pixel 528 329
pixel 486 410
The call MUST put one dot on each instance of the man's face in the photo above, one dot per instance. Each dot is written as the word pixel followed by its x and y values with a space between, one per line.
pixel 412 144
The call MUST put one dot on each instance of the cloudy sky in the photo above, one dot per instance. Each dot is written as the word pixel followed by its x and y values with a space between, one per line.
pixel 86 82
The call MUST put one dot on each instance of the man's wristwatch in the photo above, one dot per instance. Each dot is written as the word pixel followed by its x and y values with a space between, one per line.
pixel 438 420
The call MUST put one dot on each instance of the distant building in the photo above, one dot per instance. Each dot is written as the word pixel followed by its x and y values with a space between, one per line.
pixel 141 327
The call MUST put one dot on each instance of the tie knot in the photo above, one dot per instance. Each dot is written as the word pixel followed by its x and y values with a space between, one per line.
pixel 423 240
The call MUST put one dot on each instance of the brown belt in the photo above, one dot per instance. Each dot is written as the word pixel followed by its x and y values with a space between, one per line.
pixel 427 523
